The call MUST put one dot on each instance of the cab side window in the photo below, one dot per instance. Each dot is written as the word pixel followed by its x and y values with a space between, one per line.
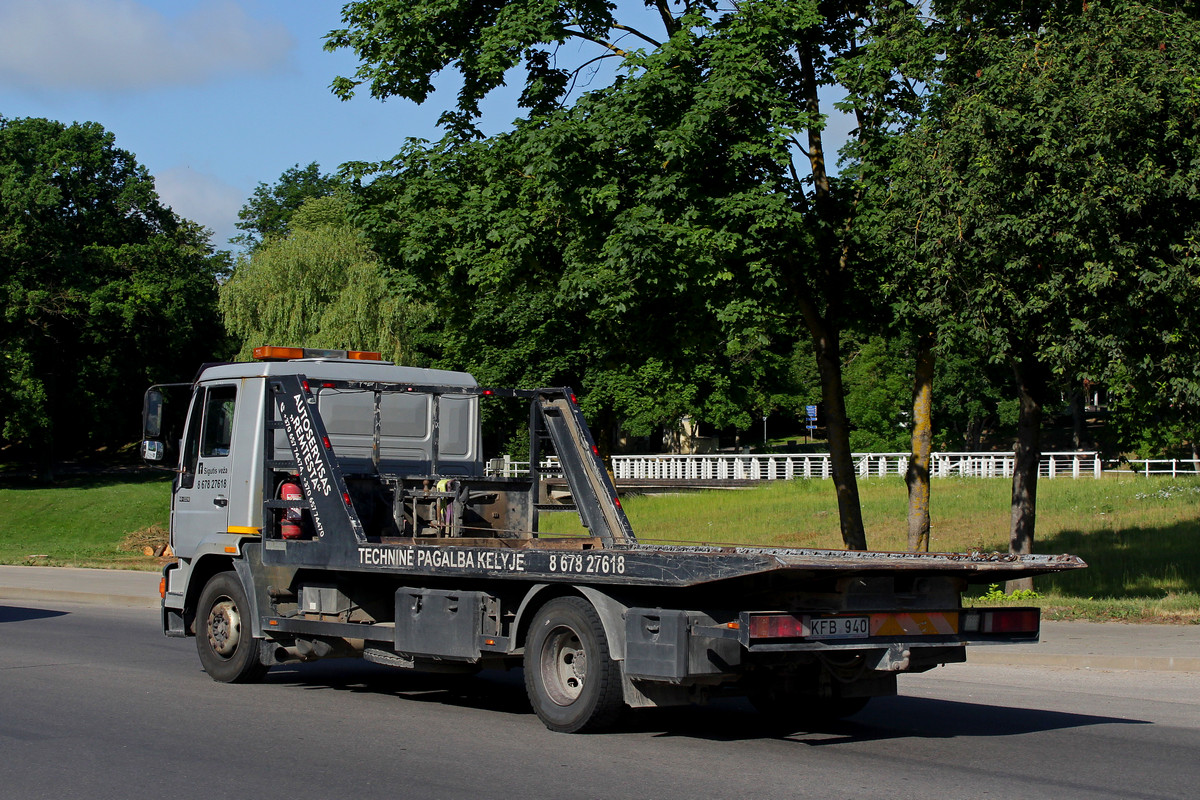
pixel 218 421
pixel 209 430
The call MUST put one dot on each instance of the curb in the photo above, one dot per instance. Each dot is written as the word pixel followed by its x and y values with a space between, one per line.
pixel 87 598
pixel 1139 663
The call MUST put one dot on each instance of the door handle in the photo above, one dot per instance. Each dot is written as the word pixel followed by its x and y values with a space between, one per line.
pixel 220 501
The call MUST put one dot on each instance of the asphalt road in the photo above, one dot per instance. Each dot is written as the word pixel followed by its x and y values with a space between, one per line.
pixel 96 703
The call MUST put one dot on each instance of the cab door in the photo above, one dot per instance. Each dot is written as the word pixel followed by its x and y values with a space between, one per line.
pixel 200 509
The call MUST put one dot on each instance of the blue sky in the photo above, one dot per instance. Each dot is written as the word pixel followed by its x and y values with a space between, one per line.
pixel 211 96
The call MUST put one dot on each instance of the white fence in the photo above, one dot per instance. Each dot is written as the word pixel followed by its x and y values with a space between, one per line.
pixel 505 467
pixel 1166 466
pixel 817 465
pixel 1081 464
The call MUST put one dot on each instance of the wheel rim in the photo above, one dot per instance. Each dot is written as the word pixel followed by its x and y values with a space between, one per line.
pixel 224 627
pixel 563 666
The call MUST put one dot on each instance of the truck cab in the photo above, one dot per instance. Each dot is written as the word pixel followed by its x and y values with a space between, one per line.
pixel 216 497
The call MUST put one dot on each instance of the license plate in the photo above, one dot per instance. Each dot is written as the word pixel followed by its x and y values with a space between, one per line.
pixel 839 627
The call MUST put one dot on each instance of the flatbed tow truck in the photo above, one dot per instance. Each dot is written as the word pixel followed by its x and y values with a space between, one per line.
pixel 330 504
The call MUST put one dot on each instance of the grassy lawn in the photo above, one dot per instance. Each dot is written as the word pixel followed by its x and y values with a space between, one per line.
pixel 1140 537
pixel 84 521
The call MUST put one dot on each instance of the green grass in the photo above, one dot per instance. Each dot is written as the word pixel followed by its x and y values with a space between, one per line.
pixel 81 522
pixel 1140 537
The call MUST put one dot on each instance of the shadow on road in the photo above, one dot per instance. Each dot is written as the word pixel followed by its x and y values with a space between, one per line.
pixel 889 718
pixel 491 690
pixel 723 720
pixel 20 614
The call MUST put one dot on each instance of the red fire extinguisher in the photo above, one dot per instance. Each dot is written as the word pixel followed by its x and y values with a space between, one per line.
pixel 290 528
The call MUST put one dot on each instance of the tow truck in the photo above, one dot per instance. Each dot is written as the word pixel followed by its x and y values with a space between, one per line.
pixel 331 504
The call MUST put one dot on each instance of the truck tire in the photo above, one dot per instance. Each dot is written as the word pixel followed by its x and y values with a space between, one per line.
pixel 572 682
pixel 227 651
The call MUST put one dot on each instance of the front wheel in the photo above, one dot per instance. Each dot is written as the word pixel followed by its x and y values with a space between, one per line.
pixel 227 650
pixel 572 682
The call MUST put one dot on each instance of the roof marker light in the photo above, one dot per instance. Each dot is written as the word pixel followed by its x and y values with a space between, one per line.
pixel 277 353
pixel 273 353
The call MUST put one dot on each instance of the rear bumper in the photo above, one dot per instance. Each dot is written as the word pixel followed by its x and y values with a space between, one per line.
pixel 686 646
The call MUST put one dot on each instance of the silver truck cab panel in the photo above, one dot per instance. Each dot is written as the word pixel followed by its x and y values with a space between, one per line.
pixel 218 494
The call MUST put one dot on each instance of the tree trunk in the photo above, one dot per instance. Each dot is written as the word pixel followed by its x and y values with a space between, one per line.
pixel 45 465
pixel 829 364
pixel 917 475
pixel 1031 387
pixel 833 254
pixel 974 434
pixel 1078 421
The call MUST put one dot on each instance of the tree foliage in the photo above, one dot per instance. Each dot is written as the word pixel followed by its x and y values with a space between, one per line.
pixel 269 210
pixel 104 289
pixel 318 286
pixel 594 249
pixel 698 222
pixel 1050 201
pixel 878 388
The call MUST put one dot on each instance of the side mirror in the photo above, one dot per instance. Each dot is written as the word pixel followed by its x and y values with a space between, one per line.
pixel 152 450
pixel 152 410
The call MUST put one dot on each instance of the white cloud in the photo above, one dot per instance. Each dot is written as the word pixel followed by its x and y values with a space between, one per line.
pixel 116 45
pixel 202 198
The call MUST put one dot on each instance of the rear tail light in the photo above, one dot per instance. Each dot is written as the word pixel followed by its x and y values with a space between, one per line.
pixel 1002 620
pixel 776 626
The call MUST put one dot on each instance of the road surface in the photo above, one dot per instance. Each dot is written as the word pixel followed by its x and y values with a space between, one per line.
pixel 96 703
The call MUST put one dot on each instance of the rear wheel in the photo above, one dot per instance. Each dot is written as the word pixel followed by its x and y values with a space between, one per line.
pixel 227 650
pixel 572 682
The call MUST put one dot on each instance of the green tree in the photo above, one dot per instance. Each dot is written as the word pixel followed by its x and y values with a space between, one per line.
pixel 103 289
pixel 318 286
pixel 269 210
pixel 1050 200
pixel 541 278
pixel 878 379
pixel 734 89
